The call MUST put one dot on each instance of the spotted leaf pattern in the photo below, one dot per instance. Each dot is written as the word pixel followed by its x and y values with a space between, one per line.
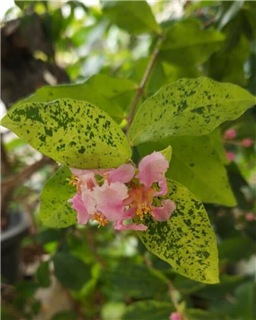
pixel 186 241
pixel 72 132
pixel 55 211
pixel 188 107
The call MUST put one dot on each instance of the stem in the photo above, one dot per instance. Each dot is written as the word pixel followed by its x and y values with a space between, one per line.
pixel 144 80
pixel 10 183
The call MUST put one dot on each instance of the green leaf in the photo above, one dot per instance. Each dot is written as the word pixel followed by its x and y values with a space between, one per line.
pixel 136 280
pixel 43 274
pixel 135 17
pixel 197 163
pixel 150 310
pixel 199 314
pixel 72 132
pixel 188 107
pixel 237 248
pixel 65 315
pixel 244 308
pixel 187 42
pixel 100 90
pixel 55 211
pixel 167 153
pixel 186 241
pixel 70 271
pixel 230 13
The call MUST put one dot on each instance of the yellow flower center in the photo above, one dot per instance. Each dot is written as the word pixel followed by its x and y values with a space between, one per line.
pixel 141 199
pixel 100 219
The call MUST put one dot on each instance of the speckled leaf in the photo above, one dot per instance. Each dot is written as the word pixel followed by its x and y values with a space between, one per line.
pixel 100 90
pixel 186 241
pixel 72 132
pixel 55 211
pixel 188 107
pixel 135 17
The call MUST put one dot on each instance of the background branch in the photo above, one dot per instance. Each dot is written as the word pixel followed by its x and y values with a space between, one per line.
pixel 144 80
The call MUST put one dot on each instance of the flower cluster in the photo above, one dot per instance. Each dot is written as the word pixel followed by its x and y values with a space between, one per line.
pixel 123 195
pixel 229 136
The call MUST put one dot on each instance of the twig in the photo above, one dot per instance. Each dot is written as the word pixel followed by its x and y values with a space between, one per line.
pixel 144 80
pixel 25 173
pixel 10 183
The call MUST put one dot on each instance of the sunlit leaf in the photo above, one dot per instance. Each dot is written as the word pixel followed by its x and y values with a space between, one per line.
pixel 186 241
pixel 75 133
pixel 135 17
pixel 188 107
pixel 100 90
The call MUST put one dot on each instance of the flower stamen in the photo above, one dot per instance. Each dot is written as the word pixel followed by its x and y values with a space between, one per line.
pixel 99 217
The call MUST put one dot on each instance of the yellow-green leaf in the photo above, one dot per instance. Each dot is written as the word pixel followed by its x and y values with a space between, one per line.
pixel 186 241
pixel 75 133
pixel 188 107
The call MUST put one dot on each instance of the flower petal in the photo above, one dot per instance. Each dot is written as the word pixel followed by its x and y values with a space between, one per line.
pixel 81 172
pixel 152 168
pixel 123 174
pixel 163 187
pixel 109 200
pixel 163 213
pixel 78 205
pixel 87 181
pixel 88 200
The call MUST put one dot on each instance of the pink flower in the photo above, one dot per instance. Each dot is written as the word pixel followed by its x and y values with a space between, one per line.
pixel 109 200
pixel 230 156
pixel 78 205
pixel 163 213
pixel 250 216
pixel 123 174
pixel 230 134
pixel 175 316
pixel 247 142
pixel 120 196
pixel 152 169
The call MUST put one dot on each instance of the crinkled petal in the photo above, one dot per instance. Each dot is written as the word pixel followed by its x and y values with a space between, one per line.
pixel 152 168
pixel 123 174
pixel 78 205
pixel 88 200
pixel 163 213
pixel 81 172
pixel 109 200
pixel 88 181
pixel 133 226
pixel 163 188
